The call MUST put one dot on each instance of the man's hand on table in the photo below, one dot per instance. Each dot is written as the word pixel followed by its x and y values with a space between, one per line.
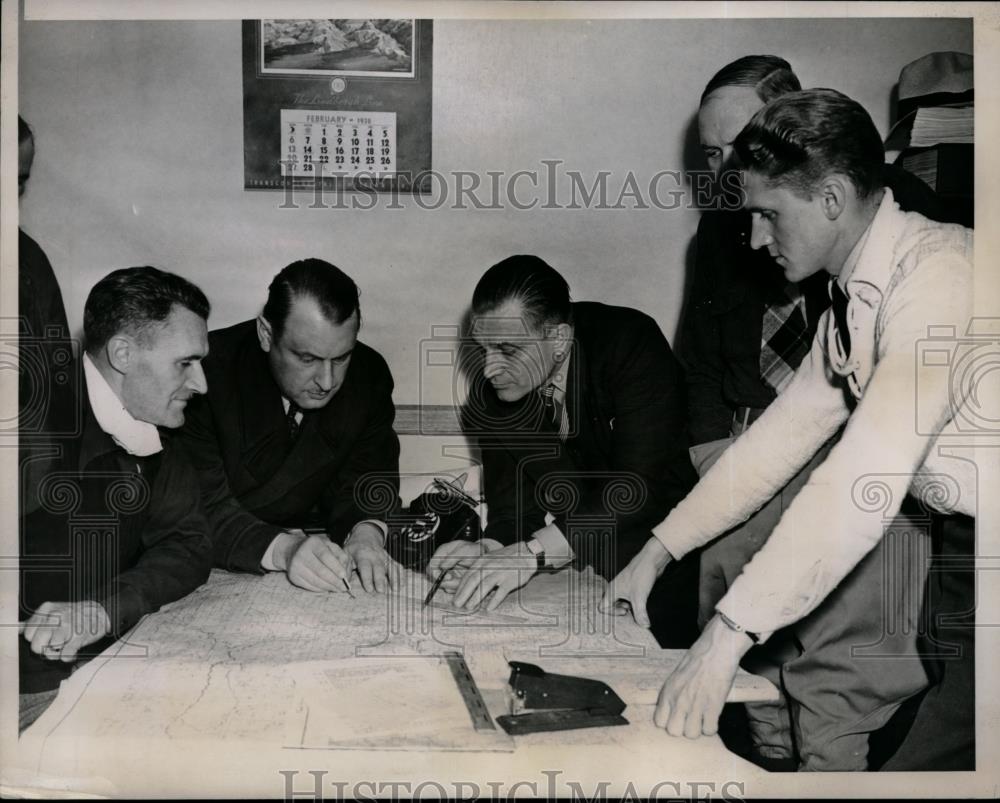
pixel 692 697
pixel 482 568
pixel 365 546
pixel 629 590
pixel 312 562
pixel 454 557
pixel 59 630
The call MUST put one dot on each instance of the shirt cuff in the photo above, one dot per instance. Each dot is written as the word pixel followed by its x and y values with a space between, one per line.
pixel 382 528
pixel 558 552
pixel 731 612
pixel 267 561
pixel 662 534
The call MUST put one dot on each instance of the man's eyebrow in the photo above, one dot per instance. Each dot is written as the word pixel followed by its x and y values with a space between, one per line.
pixel 309 354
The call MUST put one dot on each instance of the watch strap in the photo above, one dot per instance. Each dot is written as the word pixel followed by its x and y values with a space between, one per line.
pixel 735 626
pixel 536 548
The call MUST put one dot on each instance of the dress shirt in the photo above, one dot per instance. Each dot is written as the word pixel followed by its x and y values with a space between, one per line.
pixel 906 273
pixel 558 551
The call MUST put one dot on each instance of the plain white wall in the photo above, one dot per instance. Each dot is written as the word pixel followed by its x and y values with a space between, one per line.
pixel 139 158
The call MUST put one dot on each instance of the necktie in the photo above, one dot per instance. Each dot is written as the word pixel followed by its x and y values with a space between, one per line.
pixel 838 299
pixel 291 420
pixel 553 409
pixel 549 402
pixel 784 337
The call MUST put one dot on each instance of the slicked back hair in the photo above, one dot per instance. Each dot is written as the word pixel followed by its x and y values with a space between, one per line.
pixel 331 288
pixel 770 76
pixel 542 291
pixel 802 137
pixel 132 300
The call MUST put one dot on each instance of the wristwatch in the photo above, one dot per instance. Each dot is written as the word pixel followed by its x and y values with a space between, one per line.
pixel 535 548
pixel 737 627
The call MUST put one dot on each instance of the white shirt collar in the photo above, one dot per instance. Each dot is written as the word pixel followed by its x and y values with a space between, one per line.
pixel 859 267
pixel 560 378
pixel 139 438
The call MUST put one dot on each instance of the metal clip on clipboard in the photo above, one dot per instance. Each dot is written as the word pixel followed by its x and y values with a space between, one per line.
pixel 545 702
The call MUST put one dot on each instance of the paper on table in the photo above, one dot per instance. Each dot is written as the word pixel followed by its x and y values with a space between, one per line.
pixel 214 665
pixel 637 680
pixel 386 703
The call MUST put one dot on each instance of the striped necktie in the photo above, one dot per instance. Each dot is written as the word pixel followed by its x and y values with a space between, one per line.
pixel 549 402
pixel 553 409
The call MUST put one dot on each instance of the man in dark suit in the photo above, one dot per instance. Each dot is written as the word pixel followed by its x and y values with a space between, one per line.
pixel 299 414
pixel 580 419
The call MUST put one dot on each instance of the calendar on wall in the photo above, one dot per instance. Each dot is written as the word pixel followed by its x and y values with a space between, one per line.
pixel 352 143
pixel 339 104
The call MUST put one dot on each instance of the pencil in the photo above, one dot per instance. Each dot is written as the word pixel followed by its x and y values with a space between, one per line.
pixel 434 588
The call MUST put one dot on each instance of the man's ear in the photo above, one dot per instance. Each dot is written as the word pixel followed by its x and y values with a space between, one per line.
pixel 834 193
pixel 119 351
pixel 565 334
pixel 264 333
pixel 561 336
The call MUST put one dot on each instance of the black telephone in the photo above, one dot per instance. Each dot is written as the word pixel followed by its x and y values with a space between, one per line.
pixel 442 513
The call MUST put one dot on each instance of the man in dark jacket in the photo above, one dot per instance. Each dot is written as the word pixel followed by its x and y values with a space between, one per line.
pixel 48 370
pixel 296 436
pixel 119 530
pixel 580 418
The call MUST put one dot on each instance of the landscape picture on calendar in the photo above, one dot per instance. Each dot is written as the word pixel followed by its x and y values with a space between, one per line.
pixel 369 47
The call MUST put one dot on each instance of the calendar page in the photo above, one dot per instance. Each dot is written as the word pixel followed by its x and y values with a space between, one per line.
pixel 337 143
pixel 337 104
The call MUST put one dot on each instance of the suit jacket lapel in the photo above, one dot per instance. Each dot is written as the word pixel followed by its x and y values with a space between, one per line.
pixel 267 455
pixel 561 462
pixel 264 434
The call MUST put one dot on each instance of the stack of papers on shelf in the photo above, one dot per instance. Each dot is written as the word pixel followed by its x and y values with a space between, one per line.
pixel 942 124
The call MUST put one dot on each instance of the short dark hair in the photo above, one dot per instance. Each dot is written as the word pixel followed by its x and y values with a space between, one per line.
pixel 132 299
pixel 331 288
pixel 24 132
pixel 542 291
pixel 771 76
pixel 801 137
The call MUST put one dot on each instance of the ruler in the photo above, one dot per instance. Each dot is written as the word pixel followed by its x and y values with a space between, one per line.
pixel 471 696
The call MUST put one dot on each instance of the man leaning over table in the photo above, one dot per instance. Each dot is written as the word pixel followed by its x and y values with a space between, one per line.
pixel 120 532
pixel 300 411
pixel 577 400
pixel 813 168
pixel 739 359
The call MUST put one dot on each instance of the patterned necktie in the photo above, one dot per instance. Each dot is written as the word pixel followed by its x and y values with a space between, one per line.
pixel 549 402
pixel 784 338
pixel 553 409
pixel 838 300
pixel 291 420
